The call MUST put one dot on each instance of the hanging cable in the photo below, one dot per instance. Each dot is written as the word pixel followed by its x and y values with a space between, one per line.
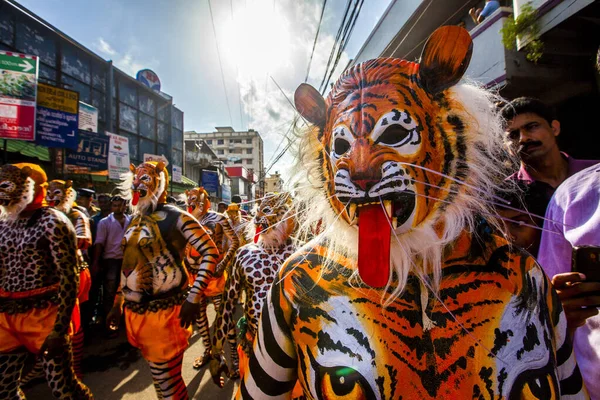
pixel 220 63
pixel 315 42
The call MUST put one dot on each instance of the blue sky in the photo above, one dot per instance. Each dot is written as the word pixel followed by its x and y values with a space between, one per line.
pixel 256 38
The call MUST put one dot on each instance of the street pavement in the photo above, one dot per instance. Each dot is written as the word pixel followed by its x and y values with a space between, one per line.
pixel 115 370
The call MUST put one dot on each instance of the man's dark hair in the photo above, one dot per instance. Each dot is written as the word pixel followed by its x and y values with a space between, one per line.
pixel 524 105
pixel 236 199
pixel 116 198
pixel 223 204
pixel 104 196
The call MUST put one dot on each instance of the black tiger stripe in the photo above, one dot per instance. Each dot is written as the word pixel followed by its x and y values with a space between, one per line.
pixel 271 344
pixel 266 383
pixel 573 384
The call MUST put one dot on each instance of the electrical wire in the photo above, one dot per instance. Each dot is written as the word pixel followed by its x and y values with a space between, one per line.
pixel 315 42
pixel 220 63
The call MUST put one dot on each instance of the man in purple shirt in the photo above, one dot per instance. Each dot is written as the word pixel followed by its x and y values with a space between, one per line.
pixel 108 249
pixel 531 131
pixel 573 219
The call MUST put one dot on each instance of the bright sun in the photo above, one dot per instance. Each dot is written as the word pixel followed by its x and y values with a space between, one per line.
pixel 257 40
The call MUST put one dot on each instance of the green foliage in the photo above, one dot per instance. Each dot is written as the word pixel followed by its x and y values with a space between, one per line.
pixel 526 25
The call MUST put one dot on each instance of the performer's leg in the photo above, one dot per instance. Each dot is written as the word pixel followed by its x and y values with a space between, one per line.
pixel 235 361
pixel 61 377
pixel 11 365
pixel 167 378
pixel 37 371
pixel 203 327
pixel 78 352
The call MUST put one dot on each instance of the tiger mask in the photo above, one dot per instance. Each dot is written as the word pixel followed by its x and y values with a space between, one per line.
pixel 17 189
pixel 146 186
pixel 391 149
pixel 198 202
pixel 274 221
pixel 61 195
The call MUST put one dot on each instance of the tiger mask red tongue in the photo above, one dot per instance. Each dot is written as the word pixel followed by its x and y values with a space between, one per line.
pixel 374 233
pixel 136 198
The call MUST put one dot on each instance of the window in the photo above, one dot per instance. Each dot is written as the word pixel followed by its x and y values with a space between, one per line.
pixel 133 145
pixel 128 93
pixel 220 151
pixel 220 141
pixel 163 133
pixel 146 104
pixel 249 141
pixel 7 27
pixel 176 139
pixel 98 102
pixel 161 150
pixel 78 86
pixel 248 161
pixel 238 161
pixel 248 151
pixel 146 147
pixel 163 112
pixel 177 157
pixel 208 141
pixel 128 118
pixel 99 76
pixel 147 127
pixel 236 141
pixel 177 118
pixel 33 40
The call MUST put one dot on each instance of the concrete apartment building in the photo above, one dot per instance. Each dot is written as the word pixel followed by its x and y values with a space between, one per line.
pixel 273 183
pixel 236 149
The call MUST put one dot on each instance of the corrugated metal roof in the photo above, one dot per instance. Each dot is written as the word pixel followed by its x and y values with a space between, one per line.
pixel 28 149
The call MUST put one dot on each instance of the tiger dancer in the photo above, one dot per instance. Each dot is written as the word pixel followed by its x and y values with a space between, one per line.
pixel 227 242
pixel 253 271
pixel 406 293
pixel 154 288
pixel 38 284
pixel 61 195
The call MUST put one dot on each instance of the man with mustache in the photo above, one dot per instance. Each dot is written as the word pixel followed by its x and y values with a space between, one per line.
pixel 531 132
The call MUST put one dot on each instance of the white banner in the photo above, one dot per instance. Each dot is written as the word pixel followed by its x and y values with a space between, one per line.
pixel 177 172
pixel 88 117
pixel 118 156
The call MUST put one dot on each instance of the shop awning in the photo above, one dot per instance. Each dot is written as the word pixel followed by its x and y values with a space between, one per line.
pixel 28 149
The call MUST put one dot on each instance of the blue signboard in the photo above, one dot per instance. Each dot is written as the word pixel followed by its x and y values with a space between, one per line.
pixel 91 151
pixel 57 117
pixel 210 182
pixel 226 193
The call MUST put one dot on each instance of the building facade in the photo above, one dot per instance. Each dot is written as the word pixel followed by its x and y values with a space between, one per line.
pixel 236 149
pixel 564 77
pixel 273 183
pixel 125 106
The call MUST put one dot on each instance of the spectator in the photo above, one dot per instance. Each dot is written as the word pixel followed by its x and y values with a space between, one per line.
pixel 84 199
pixel 531 132
pixel 105 209
pixel 222 207
pixel 238 200
pixel 574 214
pixel 522 221
pixel 108 254
pixel 478 15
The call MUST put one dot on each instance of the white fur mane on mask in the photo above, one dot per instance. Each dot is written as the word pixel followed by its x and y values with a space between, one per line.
pixel 420 249
pixel 12 211
pixel 149 202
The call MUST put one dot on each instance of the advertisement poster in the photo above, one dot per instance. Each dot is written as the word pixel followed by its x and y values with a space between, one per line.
pixel 226 193
pixel 118 156
pixel 177 173
pixel 91 152
pixel 88 117
pixel 57 117
pixel 18 89
pixel 210 182
pixel 157 158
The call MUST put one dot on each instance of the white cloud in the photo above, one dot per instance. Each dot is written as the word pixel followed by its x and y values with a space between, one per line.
pixel 129 61
pixel 104 47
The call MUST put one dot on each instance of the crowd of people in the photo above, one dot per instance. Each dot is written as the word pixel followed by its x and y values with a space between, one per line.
pixel 391 276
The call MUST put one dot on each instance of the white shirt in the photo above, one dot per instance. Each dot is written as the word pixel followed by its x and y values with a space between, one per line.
pixel 110 234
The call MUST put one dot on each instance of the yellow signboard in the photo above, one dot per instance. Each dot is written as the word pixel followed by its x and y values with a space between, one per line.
pixel 57 99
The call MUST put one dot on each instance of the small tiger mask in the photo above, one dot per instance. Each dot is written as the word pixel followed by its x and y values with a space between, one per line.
pixel 61 195
pixel 198 201
pixel 274 222
pixel 390 142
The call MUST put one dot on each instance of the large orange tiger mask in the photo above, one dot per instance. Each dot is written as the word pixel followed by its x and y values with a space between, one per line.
pixel 391 148
pixel 146 186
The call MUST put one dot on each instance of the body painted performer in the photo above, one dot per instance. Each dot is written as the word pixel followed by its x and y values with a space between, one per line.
pixel 227 243
pixel 38 284
pixel 237 222
pixel 61 196
pixel 403 294
pixel 254 269
pixel 154 282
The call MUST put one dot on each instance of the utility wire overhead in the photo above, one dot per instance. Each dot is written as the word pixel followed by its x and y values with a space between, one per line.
pixel 335 43
pixel 315 42
pixel 220 63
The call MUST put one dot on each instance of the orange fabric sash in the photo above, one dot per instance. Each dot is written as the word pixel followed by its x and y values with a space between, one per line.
pixel 28 293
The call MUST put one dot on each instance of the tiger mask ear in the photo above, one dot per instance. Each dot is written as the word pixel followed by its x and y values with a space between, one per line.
pixel 68 184
pixel 132 168
pixel 311 105
pixel 445 58
pixel 160 166
pixel 26 172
